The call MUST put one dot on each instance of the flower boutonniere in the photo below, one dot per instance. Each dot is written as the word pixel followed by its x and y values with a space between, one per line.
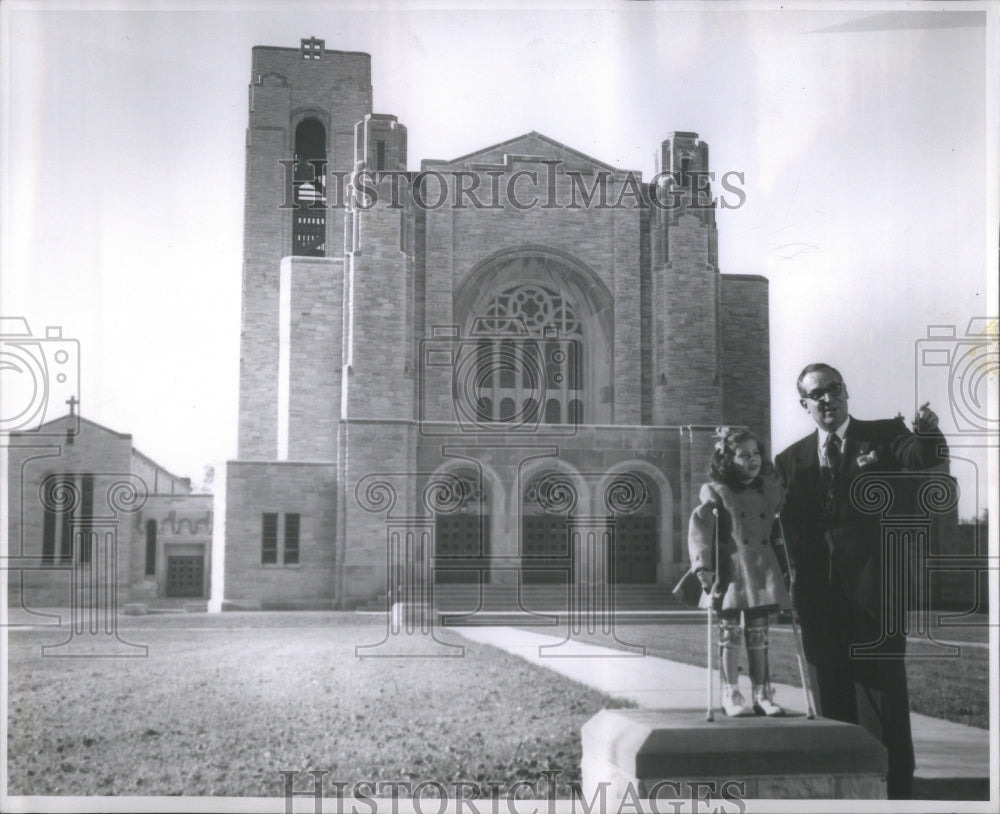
pixel 867 456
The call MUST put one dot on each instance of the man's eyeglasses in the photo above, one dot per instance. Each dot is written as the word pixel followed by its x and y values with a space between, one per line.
pixel 833 390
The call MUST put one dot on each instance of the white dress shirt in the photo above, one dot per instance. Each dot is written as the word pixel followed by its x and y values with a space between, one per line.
pixel 840 432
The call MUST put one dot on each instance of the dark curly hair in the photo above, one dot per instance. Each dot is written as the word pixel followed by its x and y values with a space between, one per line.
pixel 722 469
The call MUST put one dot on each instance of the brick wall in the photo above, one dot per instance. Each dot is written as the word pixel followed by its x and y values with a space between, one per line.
pixel 746 355
pixel 95 451
pixel 308 489
pixel 314 356
pixel 373 451
pixel 380 319
pixel 598 246
pixel 686 380
pixel 285 88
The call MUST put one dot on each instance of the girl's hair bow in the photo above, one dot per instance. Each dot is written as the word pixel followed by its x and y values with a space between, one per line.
pixel 721 433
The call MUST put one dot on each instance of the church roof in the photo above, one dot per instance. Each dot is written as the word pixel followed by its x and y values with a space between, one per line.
pixel 76 421
pixel 47 427
pixel 528 145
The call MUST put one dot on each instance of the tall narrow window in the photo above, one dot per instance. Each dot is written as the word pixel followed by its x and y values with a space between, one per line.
pixel 86 524
pixel 65 528
pixel 291 539
pixel 379 155
pixel 269 539
pixel 150 547
pixel 309 215
pixel 48 525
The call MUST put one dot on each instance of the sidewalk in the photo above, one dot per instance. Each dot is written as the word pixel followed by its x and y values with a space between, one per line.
pixel 944 750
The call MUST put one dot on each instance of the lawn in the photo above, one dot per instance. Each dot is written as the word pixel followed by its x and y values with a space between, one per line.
pixel 953 688
pixel 224 703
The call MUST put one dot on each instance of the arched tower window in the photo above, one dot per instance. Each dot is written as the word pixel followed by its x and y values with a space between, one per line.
pixel 309 215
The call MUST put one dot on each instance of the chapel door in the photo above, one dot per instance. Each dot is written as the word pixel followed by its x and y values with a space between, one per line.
pixel 185 576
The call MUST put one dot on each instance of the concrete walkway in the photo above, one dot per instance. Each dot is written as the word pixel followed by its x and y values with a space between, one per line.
pixel 944 750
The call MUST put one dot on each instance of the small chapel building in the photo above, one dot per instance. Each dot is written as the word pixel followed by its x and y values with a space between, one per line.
pixel 501 371
pixel 92 521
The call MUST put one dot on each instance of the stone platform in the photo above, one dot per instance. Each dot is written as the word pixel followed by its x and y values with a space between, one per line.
pixel 677 754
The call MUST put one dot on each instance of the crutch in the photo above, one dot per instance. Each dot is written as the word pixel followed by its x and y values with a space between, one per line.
pixel 799 652
pixel 710 715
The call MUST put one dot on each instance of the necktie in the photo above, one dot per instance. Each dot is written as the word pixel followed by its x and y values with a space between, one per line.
pixel 830 474
pixel 833 453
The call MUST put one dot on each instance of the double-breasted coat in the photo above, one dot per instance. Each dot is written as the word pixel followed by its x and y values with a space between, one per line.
pixel 749 571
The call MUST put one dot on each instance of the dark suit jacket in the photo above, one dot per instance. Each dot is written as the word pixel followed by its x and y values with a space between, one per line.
pixel 837 542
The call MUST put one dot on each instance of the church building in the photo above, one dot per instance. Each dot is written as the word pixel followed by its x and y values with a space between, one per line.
pixel 94 523
pixel 500 372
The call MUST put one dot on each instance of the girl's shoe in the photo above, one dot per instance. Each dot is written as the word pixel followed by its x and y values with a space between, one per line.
pixel 763 701
pixel 733 703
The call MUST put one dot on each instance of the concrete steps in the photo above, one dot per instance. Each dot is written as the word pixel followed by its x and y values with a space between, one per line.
pixel 538 605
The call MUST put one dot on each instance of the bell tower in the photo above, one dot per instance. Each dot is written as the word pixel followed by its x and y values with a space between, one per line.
pixel 687 386
pixel 304 105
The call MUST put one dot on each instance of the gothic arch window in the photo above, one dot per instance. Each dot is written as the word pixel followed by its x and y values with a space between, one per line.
pixel 309 214
pixel 539 328
pixel 530 353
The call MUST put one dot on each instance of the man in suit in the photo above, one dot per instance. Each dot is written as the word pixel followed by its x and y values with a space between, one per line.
pixel 836 551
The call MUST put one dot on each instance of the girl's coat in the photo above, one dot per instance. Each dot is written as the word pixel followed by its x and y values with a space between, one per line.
pixel 749 573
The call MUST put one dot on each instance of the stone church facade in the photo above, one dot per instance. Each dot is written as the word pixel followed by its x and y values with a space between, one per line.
pixel 502 371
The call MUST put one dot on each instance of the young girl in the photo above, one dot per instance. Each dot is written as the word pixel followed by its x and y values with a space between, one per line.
pixel 747 581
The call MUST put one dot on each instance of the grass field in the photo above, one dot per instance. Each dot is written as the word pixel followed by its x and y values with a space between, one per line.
pixel 223 703
pixel 953 688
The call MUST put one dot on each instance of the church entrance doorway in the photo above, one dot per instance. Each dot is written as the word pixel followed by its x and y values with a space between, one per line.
pixel 635 511
pixel 546 549
pixel 462 534
pixel 635 547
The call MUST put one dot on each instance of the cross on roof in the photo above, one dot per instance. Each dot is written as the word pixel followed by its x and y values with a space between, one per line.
pixel 72 401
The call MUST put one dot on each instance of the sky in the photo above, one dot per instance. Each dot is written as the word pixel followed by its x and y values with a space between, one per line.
pixel 867 136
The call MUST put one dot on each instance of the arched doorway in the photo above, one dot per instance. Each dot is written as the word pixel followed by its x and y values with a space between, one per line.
pixel 547 504
pixel 462 531
pixel 632 503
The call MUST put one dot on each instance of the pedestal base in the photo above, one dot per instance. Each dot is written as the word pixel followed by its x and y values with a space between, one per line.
pixel 677 754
